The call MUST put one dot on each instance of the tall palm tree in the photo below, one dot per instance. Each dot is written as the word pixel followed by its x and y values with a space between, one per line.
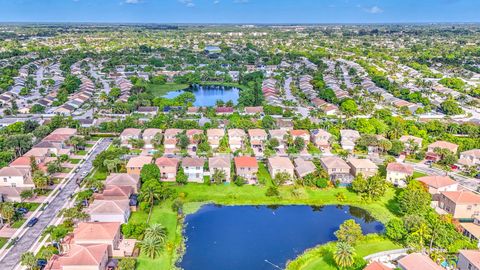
pixel 150 191
pixel 7 210
pixel 344 255
pixel 218 176
pixel 156 231
pixel 28 260
pixel 151 247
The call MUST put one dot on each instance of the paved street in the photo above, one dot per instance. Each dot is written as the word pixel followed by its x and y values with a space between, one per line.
pixel 12 258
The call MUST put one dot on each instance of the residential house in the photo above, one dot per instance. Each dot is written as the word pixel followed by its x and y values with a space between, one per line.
pixel 437 184
pixel 397 173
pixel 253 110
pixel 220 163
pixel 109 211
pixel 124 180
pixel 135 164
pixel 278 165
pixel 303 167
pixel 337 169
pixel 170 140
pixel 94 233
pixel 193 139
pixel 470 158
pixel 280 136
pixel 472 230
pixel 468 260
pixel 411 141
pixel 80 257
pixel 417 261
pixel 246 167
pixel 300 133
pixel 321 139
pixel 432 155
pixel 148 110
pixel 168 168
pixel 16 177
pixel 257 140
pixel 284 123
pixel 377 266
pixel 129 134
pixel 214 136
pixel 149 135
pixel 236 137
pixel 114 193
pixel 348 138
pixel 193 168
pixel 362 166
pixel 462 204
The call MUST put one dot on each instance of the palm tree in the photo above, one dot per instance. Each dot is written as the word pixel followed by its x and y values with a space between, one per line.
pixel 28 260
pixel 344 255
pixel 7 211
pixel 151 247
pixel 151 191
pixel 40 180
pixel 156 231
pixel 219 176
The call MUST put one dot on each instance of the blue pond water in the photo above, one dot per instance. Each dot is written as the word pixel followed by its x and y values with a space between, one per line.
pixel 207 95
pixel 246 237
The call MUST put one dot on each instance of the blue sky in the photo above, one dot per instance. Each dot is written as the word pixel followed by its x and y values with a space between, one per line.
pixel 240 11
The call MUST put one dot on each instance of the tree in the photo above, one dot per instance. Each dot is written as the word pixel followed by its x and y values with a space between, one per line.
pixel 268 122
pixel 349 232
pixel 151 247
pixel 181 178
pixel 74 214
pixel 150 172
pixel 450 107
pixel 344 255
pixel 281 178
pixel 40 180
pixel 369 188
pixel 33 164
pixel 152 191
pixel 349 107
pixel 7 211
pixel 299 144
pixel 127 264
pixel 414 199
pixel 395 229
pixel 396 148
pixel 219 176
pixel 156 231
pixel 183 141
pixel 28 260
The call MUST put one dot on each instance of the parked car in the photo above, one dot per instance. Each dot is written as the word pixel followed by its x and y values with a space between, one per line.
pixel 22 210
pixel 32 222
pixel 41 263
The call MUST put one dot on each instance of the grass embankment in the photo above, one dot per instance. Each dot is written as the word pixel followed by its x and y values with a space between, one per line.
pixel 160 90
pixel 321 257
pixel 198 194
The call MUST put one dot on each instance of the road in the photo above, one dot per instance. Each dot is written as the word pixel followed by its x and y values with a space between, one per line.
pixel 12 258
pixel 288 94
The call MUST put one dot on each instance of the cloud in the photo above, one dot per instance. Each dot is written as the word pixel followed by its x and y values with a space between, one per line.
pixel 132 1
pixel 187 3
pixel 216 2
pixel 373 10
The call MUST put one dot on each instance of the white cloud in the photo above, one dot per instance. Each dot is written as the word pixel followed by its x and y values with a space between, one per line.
pixel 373 10
pixel 216 2
pixel 187 3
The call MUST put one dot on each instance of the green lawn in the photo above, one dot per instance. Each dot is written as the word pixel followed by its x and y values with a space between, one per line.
pixel 81 152
pixel 17 224
pixel 321 257
pixel 160 90
pixel 98 175
pixel 264 177
pixel 3 241
pixel 197 194
pixel 418 174
pixel 74 160
pixel 66 170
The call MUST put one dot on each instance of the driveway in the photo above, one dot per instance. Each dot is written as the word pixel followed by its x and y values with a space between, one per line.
pixel 12 258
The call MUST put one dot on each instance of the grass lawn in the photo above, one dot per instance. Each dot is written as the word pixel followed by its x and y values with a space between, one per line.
pixel 264 177
pixel 17 224
pixel 98 175
pixel 81 152
pixel 66 170
pixel 197 194
pixel 418 174
pixel 135 151
pixel 74 160
pixel 3 241
pixel 160 90
pixel 321 257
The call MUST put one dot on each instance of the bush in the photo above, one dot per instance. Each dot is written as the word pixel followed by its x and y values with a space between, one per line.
pixel 127 264
pixel 272 192
pixel 321 183
pixel 133 230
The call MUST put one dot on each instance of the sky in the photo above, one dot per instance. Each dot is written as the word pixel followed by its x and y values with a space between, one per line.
pixel 240 11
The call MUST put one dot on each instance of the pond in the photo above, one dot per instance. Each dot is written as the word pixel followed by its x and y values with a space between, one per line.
pixel 207 95
pixel 262 237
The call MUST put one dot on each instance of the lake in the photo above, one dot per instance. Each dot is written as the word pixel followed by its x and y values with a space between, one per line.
pixel 259 237
pixel 207 95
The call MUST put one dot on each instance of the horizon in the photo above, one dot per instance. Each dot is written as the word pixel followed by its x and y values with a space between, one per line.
pixel 240 11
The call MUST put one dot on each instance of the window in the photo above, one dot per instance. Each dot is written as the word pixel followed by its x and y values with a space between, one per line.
pixel 469 207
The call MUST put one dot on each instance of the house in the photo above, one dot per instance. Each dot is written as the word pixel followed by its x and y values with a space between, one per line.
pixel 300 133
pixel 278 165
pixel 321 139
pixel 236 137
pixel 377 266
pixel 214 135
pixel 135 164
pixel 348 138
pixel 220 163
pixel 337 169
pixel 286 124
pixel 109 211
pixel 470 158
pixel 432 155
pixel 224 110
pixel 462 204
pixel 11 194
pixel 149 135
pixel 437 184
pixel 257 139
pixel 80 257
pixel 253 110
pixel 246 167
pixel 280 136
pixel 193 139
pixel 193 168
pixel 93 233
pixel 468 260
pixel 168 168
pixel 303 167
pixel 129 134
pixel 397 173
pixel 16 177
pixel 114 193
pixel 472 230
pixel 148 111
pixel 410 141
pixel 170 140
pixel 124 180
pixel 362 166
pixel 417 261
